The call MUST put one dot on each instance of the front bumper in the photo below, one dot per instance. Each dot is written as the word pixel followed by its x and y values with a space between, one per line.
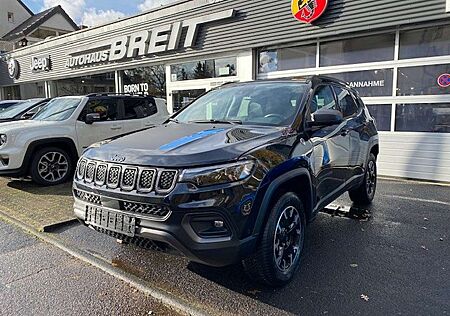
pixel 178 232
pixel 11 161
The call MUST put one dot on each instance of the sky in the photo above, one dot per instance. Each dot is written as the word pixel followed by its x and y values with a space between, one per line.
pixel 95 12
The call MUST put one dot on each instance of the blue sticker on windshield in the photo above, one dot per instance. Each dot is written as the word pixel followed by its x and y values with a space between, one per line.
pixel 189 139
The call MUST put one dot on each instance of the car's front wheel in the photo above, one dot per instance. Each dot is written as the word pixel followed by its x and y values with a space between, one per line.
pixel 277 257
pixel 51 166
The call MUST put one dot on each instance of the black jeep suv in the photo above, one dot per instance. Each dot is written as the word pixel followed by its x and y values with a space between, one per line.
pixel 236 175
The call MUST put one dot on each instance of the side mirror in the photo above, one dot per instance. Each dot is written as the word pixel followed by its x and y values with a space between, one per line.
pixel 327 117
pixel 27 116
pixel 91 118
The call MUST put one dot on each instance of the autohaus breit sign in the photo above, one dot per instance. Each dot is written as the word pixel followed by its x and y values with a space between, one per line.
pixel 146 42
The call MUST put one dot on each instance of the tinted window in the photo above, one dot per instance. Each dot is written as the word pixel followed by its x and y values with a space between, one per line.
pixel 423 80
pixel 423 118
pixel 107 108
pixel 358 50
pixel 323 99
pixel 382 115
pixel 347 104
pixel 135 108
pixel 432 41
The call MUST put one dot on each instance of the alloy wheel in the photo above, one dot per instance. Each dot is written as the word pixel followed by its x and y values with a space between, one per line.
pixel 287 239
pixel 53 166
pixel 371 178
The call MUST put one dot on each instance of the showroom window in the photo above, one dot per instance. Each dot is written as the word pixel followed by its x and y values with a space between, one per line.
pixel 382 114
pixel 428 42
pixel 288 58
pixel 182 98
pixel 358 50
pixel 422 80
pixel 423 118
pixel 86 84
pixel 145 80
pixel 203 69
pixel 369 83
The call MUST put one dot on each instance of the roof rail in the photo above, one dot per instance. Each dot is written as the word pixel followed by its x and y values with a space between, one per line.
pixel 105 94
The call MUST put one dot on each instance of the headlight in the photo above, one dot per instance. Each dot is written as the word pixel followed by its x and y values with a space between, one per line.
pixel 3 139
pixel 218 174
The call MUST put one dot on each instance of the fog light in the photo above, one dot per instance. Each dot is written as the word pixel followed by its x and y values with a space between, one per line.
pixel 218 224
pixel 210 226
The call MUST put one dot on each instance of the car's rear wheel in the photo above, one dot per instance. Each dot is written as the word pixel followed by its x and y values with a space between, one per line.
pixel 365 193
pixel 277 257
pixel 51 166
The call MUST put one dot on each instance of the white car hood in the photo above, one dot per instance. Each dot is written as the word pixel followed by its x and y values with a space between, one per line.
pixel 25 125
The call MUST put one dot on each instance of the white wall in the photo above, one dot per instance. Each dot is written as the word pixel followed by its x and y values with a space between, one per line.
pixel 58 22
pixel 20 15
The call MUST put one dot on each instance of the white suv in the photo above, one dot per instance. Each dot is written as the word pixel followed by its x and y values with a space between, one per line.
pixel 48 146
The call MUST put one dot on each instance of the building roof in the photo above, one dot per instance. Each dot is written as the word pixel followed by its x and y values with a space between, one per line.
pixel 36 20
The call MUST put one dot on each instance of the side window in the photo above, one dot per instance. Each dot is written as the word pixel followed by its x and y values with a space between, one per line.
pixel 323 99
pixel 346 102
pixel 107 108
pixel 136 108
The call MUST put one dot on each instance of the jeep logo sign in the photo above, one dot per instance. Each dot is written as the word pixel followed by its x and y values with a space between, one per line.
pixel 39 64
pixel 160 39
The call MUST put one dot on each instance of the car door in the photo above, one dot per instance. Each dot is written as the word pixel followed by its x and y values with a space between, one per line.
pixel 330 145
pixel 109 125
pixel 354 125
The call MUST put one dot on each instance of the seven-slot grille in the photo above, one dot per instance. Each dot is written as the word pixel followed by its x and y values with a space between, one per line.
pixel 128 178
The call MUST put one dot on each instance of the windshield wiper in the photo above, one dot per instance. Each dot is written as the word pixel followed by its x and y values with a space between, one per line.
pixel 217 121
pixel 171 119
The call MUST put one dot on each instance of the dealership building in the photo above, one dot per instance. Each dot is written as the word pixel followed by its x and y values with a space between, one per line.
pixel 395 53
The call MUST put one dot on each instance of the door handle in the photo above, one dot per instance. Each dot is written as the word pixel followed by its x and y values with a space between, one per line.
pixel 116 127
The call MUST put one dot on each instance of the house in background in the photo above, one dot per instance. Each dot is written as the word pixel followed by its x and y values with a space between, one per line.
pixel 20 27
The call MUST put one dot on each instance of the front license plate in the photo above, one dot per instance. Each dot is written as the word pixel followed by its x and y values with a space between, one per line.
pixel 111 220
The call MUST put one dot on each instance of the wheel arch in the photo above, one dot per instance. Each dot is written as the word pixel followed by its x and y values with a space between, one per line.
pixel 296 181
pixel 64 143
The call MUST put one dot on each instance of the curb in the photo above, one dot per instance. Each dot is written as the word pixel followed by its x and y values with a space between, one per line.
pixel 52 227
pixel 158 294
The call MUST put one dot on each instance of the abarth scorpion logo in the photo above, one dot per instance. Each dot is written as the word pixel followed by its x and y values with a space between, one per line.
pixel 308 11
pixel 118 158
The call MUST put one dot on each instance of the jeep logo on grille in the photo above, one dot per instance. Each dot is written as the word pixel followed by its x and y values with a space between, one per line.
pixel 118 158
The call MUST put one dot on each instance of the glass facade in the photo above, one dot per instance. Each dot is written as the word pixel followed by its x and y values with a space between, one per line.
pixel 145 80
pixel 203 69
pixel 382 115
pixel 432 41
pixel 181 98
pixel 357 50
pixel 86 84
pixel 287 58
pixel 369 83
pixel 422 80
pixel 423 118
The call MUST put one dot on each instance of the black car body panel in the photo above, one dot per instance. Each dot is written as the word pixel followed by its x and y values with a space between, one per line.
pixel 318 163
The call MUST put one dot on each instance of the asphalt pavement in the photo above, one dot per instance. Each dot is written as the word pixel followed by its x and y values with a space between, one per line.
pixel 391 258
pixel 36 278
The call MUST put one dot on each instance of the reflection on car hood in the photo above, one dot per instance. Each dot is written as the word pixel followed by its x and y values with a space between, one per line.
pixel 179 145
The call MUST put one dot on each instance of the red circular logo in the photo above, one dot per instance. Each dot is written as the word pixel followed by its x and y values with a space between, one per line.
pixel 444 80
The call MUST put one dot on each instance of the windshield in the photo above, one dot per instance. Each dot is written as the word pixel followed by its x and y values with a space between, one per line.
pixel 17 108
pixel 274 104
pixel 58 109
pixel 5 105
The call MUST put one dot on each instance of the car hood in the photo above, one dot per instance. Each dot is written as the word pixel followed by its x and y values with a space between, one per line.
pixel 180 145
pixel 14 127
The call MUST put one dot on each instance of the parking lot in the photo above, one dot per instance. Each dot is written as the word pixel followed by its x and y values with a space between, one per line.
pixel 392 258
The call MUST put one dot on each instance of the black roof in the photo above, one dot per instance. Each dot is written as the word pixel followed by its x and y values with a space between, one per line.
pixel 36 20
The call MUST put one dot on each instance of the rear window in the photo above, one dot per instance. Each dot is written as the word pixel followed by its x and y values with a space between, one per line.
pixel 136 108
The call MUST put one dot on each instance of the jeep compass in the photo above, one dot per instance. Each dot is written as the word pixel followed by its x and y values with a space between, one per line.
pixel 234 176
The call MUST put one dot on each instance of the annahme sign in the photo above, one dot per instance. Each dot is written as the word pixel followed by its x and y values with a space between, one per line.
pixel 160 39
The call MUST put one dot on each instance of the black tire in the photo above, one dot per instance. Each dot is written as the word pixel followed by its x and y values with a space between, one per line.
pixel 365 193
pixel 64 162
pixel 262 265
